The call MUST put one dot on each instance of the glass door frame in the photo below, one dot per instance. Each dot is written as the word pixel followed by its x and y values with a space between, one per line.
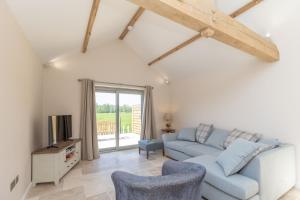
pixel 117 92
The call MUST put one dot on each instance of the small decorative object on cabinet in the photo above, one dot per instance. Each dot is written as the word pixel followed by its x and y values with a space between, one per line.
pixel 51 164
pixel 168 119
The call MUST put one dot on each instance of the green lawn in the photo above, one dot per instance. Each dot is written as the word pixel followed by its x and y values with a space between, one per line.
pixel 126 119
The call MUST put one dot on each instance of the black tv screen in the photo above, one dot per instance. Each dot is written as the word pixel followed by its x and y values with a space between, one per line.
pixel 59 128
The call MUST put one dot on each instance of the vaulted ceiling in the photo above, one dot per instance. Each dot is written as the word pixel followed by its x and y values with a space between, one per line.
pixel 57 27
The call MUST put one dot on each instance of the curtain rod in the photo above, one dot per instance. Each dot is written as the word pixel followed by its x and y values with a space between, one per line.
pixel 120 84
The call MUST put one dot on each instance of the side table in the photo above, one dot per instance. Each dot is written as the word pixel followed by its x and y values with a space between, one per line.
pixel 168 130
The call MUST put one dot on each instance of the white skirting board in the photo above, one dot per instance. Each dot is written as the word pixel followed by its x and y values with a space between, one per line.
pixel 26 191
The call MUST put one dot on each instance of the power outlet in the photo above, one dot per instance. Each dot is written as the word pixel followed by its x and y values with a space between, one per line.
pixel 17 179
pixel 12 185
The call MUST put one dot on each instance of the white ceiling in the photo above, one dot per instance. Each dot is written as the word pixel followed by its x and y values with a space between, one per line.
pixel 57 27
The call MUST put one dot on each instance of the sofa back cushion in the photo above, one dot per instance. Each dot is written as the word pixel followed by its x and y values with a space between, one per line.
pixel 217 138
pixel 236 133
pixel 187 134
pixel 270 141
pixel 203 132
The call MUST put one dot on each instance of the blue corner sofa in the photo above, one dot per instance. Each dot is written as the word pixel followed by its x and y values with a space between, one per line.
pixel 267 177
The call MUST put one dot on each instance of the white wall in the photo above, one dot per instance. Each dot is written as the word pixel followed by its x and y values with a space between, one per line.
pixel 113 62
pixel 234 90
pixel 21 106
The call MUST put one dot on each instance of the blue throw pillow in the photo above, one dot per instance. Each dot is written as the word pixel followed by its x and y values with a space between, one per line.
pixel 188 134
pixel 238 154
pixel 217 138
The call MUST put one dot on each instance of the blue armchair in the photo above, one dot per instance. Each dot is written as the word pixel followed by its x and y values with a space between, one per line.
pixel 179 181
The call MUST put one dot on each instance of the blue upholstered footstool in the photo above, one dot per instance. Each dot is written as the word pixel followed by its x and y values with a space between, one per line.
pixel 151 145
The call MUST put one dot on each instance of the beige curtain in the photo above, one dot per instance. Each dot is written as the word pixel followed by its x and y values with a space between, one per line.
pixel 148 121
pixel 88 130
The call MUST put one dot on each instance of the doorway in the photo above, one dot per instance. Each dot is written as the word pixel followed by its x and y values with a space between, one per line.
pixel 119 118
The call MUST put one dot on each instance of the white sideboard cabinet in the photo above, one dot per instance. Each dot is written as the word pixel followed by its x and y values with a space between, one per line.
pixel 51 164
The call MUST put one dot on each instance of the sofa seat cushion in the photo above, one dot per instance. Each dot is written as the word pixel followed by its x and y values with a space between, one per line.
pixel 237 185
pixel 178 145
pixel 200 149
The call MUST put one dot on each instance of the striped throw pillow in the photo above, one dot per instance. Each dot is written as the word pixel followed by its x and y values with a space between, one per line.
pixel 253 137
pixel 235 134
pixel 203 132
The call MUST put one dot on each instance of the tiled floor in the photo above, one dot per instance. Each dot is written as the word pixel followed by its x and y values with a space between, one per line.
pixel 91 180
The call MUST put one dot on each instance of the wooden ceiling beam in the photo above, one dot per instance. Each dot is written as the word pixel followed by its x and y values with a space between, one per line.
pixel 90 25
pixel 131 23
pixel 245 8
pixel 182 45
pixel 226 29
pixel 236 13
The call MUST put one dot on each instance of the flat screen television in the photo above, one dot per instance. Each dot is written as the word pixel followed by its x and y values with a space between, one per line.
pixel 59 128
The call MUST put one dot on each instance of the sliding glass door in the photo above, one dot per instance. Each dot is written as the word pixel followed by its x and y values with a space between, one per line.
pixel 119 118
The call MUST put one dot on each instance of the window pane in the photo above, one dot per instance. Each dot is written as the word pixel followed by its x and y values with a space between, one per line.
pixel 106 119
pixel 130 118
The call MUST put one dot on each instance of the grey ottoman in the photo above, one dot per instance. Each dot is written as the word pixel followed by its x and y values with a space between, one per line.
pixel 151 145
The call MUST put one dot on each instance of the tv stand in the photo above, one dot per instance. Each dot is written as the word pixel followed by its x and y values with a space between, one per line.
pixel 50 164
pixel 52 146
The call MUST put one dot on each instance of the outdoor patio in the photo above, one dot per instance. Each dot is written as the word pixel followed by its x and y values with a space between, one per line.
pixel 109 141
